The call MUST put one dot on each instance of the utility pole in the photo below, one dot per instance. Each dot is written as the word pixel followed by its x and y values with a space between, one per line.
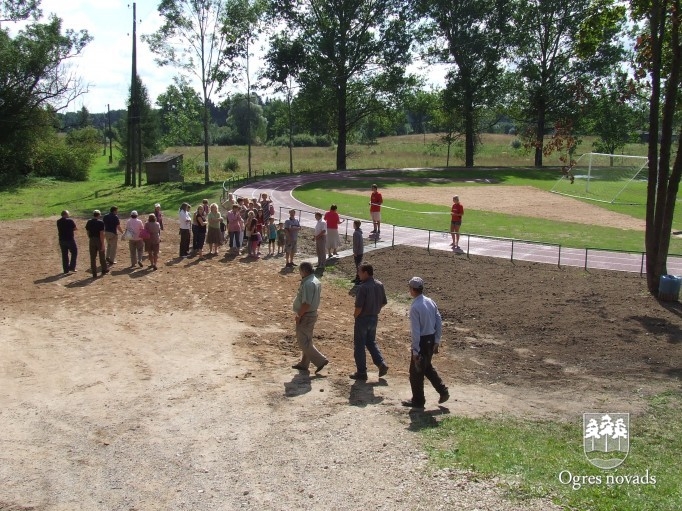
pixel 134 159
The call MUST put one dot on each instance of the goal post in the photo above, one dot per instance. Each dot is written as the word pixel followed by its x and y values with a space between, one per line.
pixel 610 178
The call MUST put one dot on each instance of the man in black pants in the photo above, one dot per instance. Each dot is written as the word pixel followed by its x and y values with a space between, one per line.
pixel 95 228
pixel 426 328
pixel 67 242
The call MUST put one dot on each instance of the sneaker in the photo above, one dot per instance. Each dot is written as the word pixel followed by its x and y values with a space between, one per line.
pixel 319 368
pixel 358 376
pixel 444 397
pixel 139 263
pixel 411 404
pixel 383 370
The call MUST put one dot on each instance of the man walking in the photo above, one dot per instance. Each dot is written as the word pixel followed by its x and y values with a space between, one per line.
pixel 369 300
pixel 305 306
pixel 426 329
pixel 95 229
pixel 67 242
pixel 291 228
pixel 112 228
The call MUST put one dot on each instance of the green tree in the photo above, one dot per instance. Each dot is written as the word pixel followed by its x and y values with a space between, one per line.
pixel 283 65
pixel 35 81
pixel 18 10
pixel 474 36
pixel 191 39
pixel 149 128
pixel 610 116
pixel 355 50
pixel 659 61
pixel 247 120
pixel 84 119
pixel 422 107
pixel 180 113
pixel 241 28
pixel 563 47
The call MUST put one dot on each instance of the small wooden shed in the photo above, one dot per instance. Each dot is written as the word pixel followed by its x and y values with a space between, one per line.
pixel 163 167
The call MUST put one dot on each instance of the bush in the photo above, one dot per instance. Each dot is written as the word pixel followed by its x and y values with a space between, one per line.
pixel 516 144
pixel 231 164
pixel 58 160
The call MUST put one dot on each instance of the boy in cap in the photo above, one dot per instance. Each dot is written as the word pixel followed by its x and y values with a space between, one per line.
pixel 426 329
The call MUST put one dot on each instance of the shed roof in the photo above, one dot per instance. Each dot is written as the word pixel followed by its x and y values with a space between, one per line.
pixel 160 158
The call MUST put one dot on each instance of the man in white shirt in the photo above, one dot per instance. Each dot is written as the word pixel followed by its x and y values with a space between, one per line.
pixel 426 328
pixel 185 221
pixel 320 241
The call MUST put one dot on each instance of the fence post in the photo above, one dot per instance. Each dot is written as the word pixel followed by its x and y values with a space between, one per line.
pixel 559 260
pixel 428 243
pixel 586 249
pixel 512 251
pixel 641 266
pixel 392 237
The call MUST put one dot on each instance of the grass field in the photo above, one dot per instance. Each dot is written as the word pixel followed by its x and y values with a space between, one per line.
pixel 528 458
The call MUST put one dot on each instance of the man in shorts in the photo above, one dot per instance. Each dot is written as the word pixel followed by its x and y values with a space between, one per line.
pixel 375 202
pixel 291 228
pixel 456 222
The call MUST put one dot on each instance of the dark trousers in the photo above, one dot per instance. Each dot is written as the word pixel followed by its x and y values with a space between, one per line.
pixel 423 368
pixel 184 242
pixel 68 247
pixel 96 247
pixel 358 260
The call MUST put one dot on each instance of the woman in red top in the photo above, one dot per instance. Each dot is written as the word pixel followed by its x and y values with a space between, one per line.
pixel 457 211
pixel 333 220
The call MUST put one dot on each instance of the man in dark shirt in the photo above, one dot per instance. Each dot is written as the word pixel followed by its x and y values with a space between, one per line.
pixel 67 242
pixel 95 229
pixel 369 301
pixel 112 228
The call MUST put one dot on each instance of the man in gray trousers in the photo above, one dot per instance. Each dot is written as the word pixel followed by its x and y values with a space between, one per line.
pixel 305 306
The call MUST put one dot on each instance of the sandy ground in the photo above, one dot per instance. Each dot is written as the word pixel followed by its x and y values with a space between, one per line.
pixel 173 389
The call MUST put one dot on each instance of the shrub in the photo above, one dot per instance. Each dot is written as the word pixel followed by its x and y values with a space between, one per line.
pixel 55 159
pixel 231 164
pixel 302 140
pixel 516 144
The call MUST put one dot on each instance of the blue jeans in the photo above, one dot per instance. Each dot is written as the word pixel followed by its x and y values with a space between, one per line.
pixel 365 336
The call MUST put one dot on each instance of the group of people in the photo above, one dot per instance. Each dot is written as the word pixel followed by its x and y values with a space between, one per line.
pixel 103 235
pixel 425 331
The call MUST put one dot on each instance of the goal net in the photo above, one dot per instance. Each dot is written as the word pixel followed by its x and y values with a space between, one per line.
pixel 612 178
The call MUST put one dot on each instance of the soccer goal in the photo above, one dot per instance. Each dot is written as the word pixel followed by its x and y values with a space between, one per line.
pixel 611 178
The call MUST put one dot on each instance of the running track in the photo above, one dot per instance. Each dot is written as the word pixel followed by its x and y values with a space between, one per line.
pixel 280 189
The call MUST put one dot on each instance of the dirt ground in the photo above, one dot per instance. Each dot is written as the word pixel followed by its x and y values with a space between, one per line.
pixel 513 200
pixel 173 389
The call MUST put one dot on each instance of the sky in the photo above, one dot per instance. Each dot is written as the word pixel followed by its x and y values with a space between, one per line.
pixel 106 62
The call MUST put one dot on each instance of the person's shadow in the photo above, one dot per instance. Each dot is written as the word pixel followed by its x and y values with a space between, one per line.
pixel 299 385
pixel 51 278
pixel 362 393
pixel 423 419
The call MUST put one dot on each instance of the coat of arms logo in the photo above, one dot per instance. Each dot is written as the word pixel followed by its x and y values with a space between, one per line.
pixel 606 438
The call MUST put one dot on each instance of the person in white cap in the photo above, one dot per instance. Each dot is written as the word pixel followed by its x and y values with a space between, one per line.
pixel 426 328
pixel 136 243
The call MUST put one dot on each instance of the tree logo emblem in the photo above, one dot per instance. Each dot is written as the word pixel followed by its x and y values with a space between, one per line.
pixel 606 438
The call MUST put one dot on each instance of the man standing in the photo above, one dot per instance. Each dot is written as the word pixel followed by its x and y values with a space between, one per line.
pixel 426 329
pixel 305 306
pixel 369 300
pixel 456 222
pixel 320 240
pixel 112 228
pixel 67 241
pixel 95 229
pixel 235 226
pixel 185 221
pixel 291 228
pixel 375 202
